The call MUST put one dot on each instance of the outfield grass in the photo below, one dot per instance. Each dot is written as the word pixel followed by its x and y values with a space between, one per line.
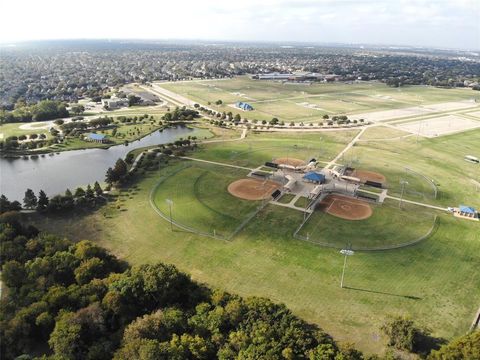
pixel 200 197
pixel 384 229
pixel 436 281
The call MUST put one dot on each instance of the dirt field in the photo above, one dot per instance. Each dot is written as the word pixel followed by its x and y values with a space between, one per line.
pixel 253 189
pixel 364 176
pixel 345 207
pixel 441 125
pixel 289 161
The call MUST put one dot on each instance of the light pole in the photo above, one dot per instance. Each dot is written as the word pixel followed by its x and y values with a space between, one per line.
pixel 403 183
pixel 346 253
pixel 170 204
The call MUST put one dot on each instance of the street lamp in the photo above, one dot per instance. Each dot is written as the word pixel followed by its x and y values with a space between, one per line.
pixel 170 204
pixel 346 253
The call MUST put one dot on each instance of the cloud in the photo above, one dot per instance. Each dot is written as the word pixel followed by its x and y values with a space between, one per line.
pixel 444 23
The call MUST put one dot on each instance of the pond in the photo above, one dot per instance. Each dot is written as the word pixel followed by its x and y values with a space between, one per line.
pixel 70 169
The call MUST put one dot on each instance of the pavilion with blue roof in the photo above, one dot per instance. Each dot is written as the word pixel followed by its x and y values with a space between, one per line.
pixel 467 209
pixel 96 137
pixel 244 106
pixel 314 177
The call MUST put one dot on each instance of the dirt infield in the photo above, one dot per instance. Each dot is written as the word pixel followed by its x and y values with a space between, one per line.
pixel 364 176
pixel 253 189
pixel 289 161
pixel 345 207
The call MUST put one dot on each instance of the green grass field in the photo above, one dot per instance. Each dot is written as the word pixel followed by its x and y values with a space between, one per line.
pixel 308 103
pixel 384 229
pixel 435 282
pixel 256 149
pixel 440 160
pixel 200 198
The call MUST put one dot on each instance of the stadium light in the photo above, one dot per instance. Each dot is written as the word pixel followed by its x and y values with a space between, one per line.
pixel 346 253
pixel 170 204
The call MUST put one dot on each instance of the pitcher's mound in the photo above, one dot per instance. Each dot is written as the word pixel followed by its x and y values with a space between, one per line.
pixel 289 161
pixel 253 189
pixel 346 208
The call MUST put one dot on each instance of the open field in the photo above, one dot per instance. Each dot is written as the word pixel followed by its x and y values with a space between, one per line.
pixel 439 160
pixel 256 149
pixel 435 281
pixel 14 129
pixel 441 125
pixel 307 103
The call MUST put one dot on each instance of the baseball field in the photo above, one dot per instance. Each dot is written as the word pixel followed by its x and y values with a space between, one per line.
pixel 435 280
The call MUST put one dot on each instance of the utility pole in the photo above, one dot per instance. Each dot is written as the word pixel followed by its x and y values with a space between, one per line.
pixel 403 182
pixel 346 253
pixel 170 203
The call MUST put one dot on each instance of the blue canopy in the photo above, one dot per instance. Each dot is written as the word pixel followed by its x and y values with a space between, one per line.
pixel 98 137
pixel 315 177
pixel 467 209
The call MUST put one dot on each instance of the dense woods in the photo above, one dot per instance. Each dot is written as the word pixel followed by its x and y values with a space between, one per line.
pixel 65 300
pixel 86 304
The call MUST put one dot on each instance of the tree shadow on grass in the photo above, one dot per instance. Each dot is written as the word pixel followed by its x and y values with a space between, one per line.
pixel 425 343
pixel 411 297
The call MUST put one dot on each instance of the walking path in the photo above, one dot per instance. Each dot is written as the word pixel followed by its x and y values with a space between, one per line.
pixel 214 163
pixel 408 201
pixel 349 145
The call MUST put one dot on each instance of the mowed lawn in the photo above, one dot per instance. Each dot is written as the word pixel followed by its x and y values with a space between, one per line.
pixel 200 197
pixel 435 282
pixel 440 160
pixel 256 149
pixel 384 229
pixel 308 103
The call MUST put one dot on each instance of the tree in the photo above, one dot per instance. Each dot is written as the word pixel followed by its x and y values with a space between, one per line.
pixel 42 202
pixel 120 168
pixel 462 348
pixel 219 102
pixel 78 109
pixel 97 188
pixel 402 333
pixel 133 100
pixel 89 194
pixel 274 121
pixel 30 199
pixel 110 176
pixel 79 193
pixel 89 270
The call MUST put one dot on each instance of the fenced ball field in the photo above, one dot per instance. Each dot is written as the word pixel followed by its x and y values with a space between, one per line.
pixel 383 229
pixel 201 202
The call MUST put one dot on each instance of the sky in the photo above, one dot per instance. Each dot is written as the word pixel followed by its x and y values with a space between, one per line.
pixel 430 23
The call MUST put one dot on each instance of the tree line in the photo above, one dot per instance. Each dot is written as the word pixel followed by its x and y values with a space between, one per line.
pixel 80 302
pixel 43 110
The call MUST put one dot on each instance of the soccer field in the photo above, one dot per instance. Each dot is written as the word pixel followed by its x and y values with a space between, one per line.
pixel 308 103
